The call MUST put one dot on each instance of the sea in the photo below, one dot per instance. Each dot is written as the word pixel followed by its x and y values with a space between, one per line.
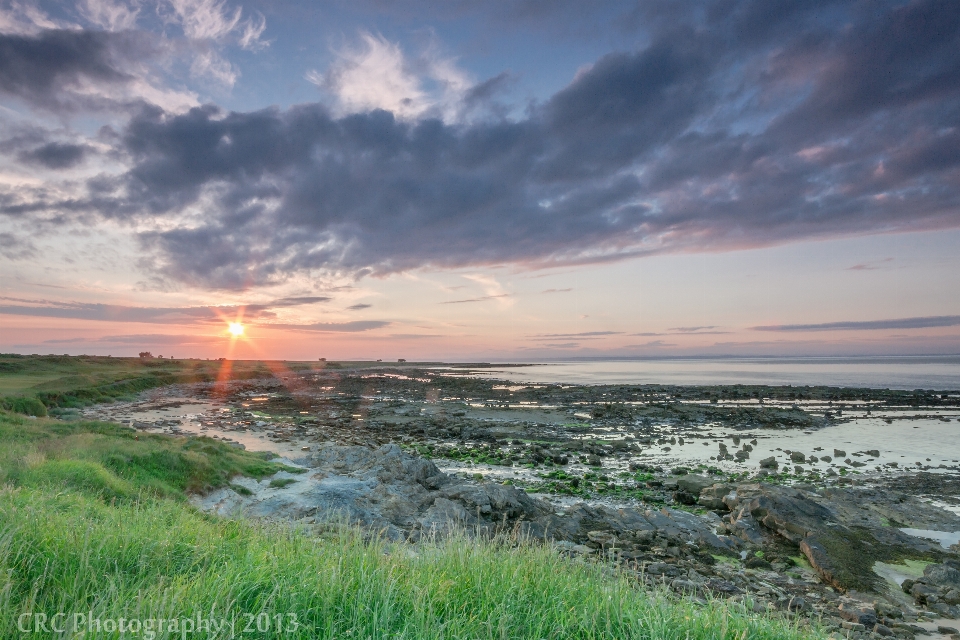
pixel 941 373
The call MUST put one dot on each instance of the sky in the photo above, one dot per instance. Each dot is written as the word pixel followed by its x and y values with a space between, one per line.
pixel 505 180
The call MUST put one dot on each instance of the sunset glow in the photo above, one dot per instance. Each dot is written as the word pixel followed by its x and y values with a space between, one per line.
pixel 511 187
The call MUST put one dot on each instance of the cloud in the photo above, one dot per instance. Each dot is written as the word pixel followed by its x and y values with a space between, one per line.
pixel 480 299
pixel 68 70
pixel 109 15
pixel 583 334
pixel 14 247
pixel 55 155
pixel 155 315
pixel 869 266
pixel 359 307
pixel 868 325
pixel 557 290
pixel 335 327
pixel 734 127
pixel 377 75
pixel 148 339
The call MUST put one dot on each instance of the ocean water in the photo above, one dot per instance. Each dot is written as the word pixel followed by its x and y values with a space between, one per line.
pixel 882 372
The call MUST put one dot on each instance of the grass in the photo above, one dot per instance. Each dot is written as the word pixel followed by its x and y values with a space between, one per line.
pixel 94 520
pixel 116 462
pixel 34 385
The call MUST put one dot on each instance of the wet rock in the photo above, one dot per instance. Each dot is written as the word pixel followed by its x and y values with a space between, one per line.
pixel 769 463
pixel 826 459
pixel 839 453
pixel 873 453
pixel 796 456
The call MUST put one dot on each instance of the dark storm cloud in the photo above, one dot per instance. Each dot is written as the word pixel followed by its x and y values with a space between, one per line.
pixel 739 124
pixel 60 70
pixel 156 315
pixel 900 323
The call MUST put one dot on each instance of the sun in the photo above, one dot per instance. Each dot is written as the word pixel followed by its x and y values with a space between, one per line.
pixel 236 328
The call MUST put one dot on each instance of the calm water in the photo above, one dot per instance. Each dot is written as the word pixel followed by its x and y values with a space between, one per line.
pixel 894 372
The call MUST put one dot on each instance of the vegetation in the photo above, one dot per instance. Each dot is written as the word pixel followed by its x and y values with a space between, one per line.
pixel 116 462
pixel 36 385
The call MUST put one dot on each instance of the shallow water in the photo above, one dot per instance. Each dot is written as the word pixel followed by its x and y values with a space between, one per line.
pixel 900 372
pixel 945 538
pixel 928 441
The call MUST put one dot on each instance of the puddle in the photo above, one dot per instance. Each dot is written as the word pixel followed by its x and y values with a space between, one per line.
pixel 945 538
pixel 897 573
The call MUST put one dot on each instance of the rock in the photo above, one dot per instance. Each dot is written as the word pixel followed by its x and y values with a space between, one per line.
pixel 921 592
pixel 682 497
pixel 866 617
pixel 712 497
pixel 952 597
pixel 594 460
pixel 882 630
pixel 873 453
pixel 384 489
pixel 603 538
pixel 946 630
pixel 839 453
pixel 796 456
pixel 769 463
pixel 694 484
pixel 820 560
pixel 757 563
pixel 943 575
pixel 813 459
pixel 826 459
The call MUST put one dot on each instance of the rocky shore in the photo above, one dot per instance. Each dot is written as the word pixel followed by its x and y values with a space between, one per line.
pixel 845 536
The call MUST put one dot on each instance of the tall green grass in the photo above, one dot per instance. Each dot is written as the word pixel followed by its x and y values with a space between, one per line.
pixel 159 559
pixel 117 462
pixel 93 521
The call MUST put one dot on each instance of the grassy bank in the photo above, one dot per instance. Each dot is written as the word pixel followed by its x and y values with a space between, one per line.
pixel 34 385
pixel 94 521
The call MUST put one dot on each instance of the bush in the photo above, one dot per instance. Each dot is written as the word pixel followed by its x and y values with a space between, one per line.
pixel 29 406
